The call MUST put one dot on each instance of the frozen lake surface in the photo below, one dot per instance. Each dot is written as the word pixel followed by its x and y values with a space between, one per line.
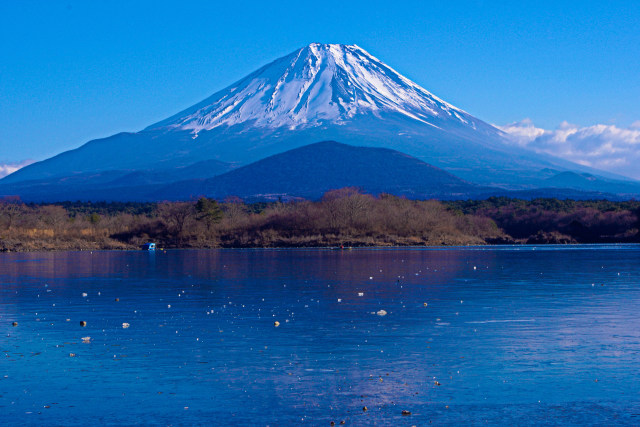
pixel 519 335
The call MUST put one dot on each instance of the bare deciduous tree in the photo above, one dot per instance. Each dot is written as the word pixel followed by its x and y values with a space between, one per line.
pixel 176 215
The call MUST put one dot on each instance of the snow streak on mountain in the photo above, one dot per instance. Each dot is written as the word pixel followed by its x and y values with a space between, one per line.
pixel 321 92
pixel 314 85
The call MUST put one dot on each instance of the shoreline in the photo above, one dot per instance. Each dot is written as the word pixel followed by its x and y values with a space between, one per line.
pixel 344 217
pixel 328 248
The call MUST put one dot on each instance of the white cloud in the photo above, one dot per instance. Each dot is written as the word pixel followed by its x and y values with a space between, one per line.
pixel 522 133
pixel 605 147
pixel 9 168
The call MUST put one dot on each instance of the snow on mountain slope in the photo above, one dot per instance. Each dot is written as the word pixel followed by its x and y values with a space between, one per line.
pixel 317 84
pixel 317 93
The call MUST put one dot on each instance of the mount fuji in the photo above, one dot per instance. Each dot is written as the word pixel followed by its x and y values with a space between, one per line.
pixel 317 93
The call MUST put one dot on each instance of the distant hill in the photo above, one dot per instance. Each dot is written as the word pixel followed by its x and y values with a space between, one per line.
pixel 589 182
pixel 310 171
pixel 116 185
pixel 200 170
pixel 306 172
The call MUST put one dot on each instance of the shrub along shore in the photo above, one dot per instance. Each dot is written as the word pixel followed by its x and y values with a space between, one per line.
pixel 343 217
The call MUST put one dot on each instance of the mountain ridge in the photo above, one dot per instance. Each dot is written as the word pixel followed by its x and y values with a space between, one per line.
pixel 315 83
pixel 317 93
pixel 302 173
pixel 312 170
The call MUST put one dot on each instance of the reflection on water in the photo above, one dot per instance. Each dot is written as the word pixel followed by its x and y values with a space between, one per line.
pixel 520 335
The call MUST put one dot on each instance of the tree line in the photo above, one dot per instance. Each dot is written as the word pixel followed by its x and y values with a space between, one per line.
pixel 343 217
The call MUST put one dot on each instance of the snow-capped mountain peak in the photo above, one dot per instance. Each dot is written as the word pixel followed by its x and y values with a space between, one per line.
pixel 316 84
pixel 318 93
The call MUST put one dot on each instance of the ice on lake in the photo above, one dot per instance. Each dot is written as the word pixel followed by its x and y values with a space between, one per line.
pixel 532 335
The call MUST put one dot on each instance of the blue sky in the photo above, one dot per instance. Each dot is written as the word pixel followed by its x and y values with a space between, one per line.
pixel 72 71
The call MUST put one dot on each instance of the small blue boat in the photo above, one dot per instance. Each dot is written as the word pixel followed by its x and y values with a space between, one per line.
pixel 149 247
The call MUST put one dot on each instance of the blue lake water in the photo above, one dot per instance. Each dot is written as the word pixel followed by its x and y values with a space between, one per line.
pixel 521 335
